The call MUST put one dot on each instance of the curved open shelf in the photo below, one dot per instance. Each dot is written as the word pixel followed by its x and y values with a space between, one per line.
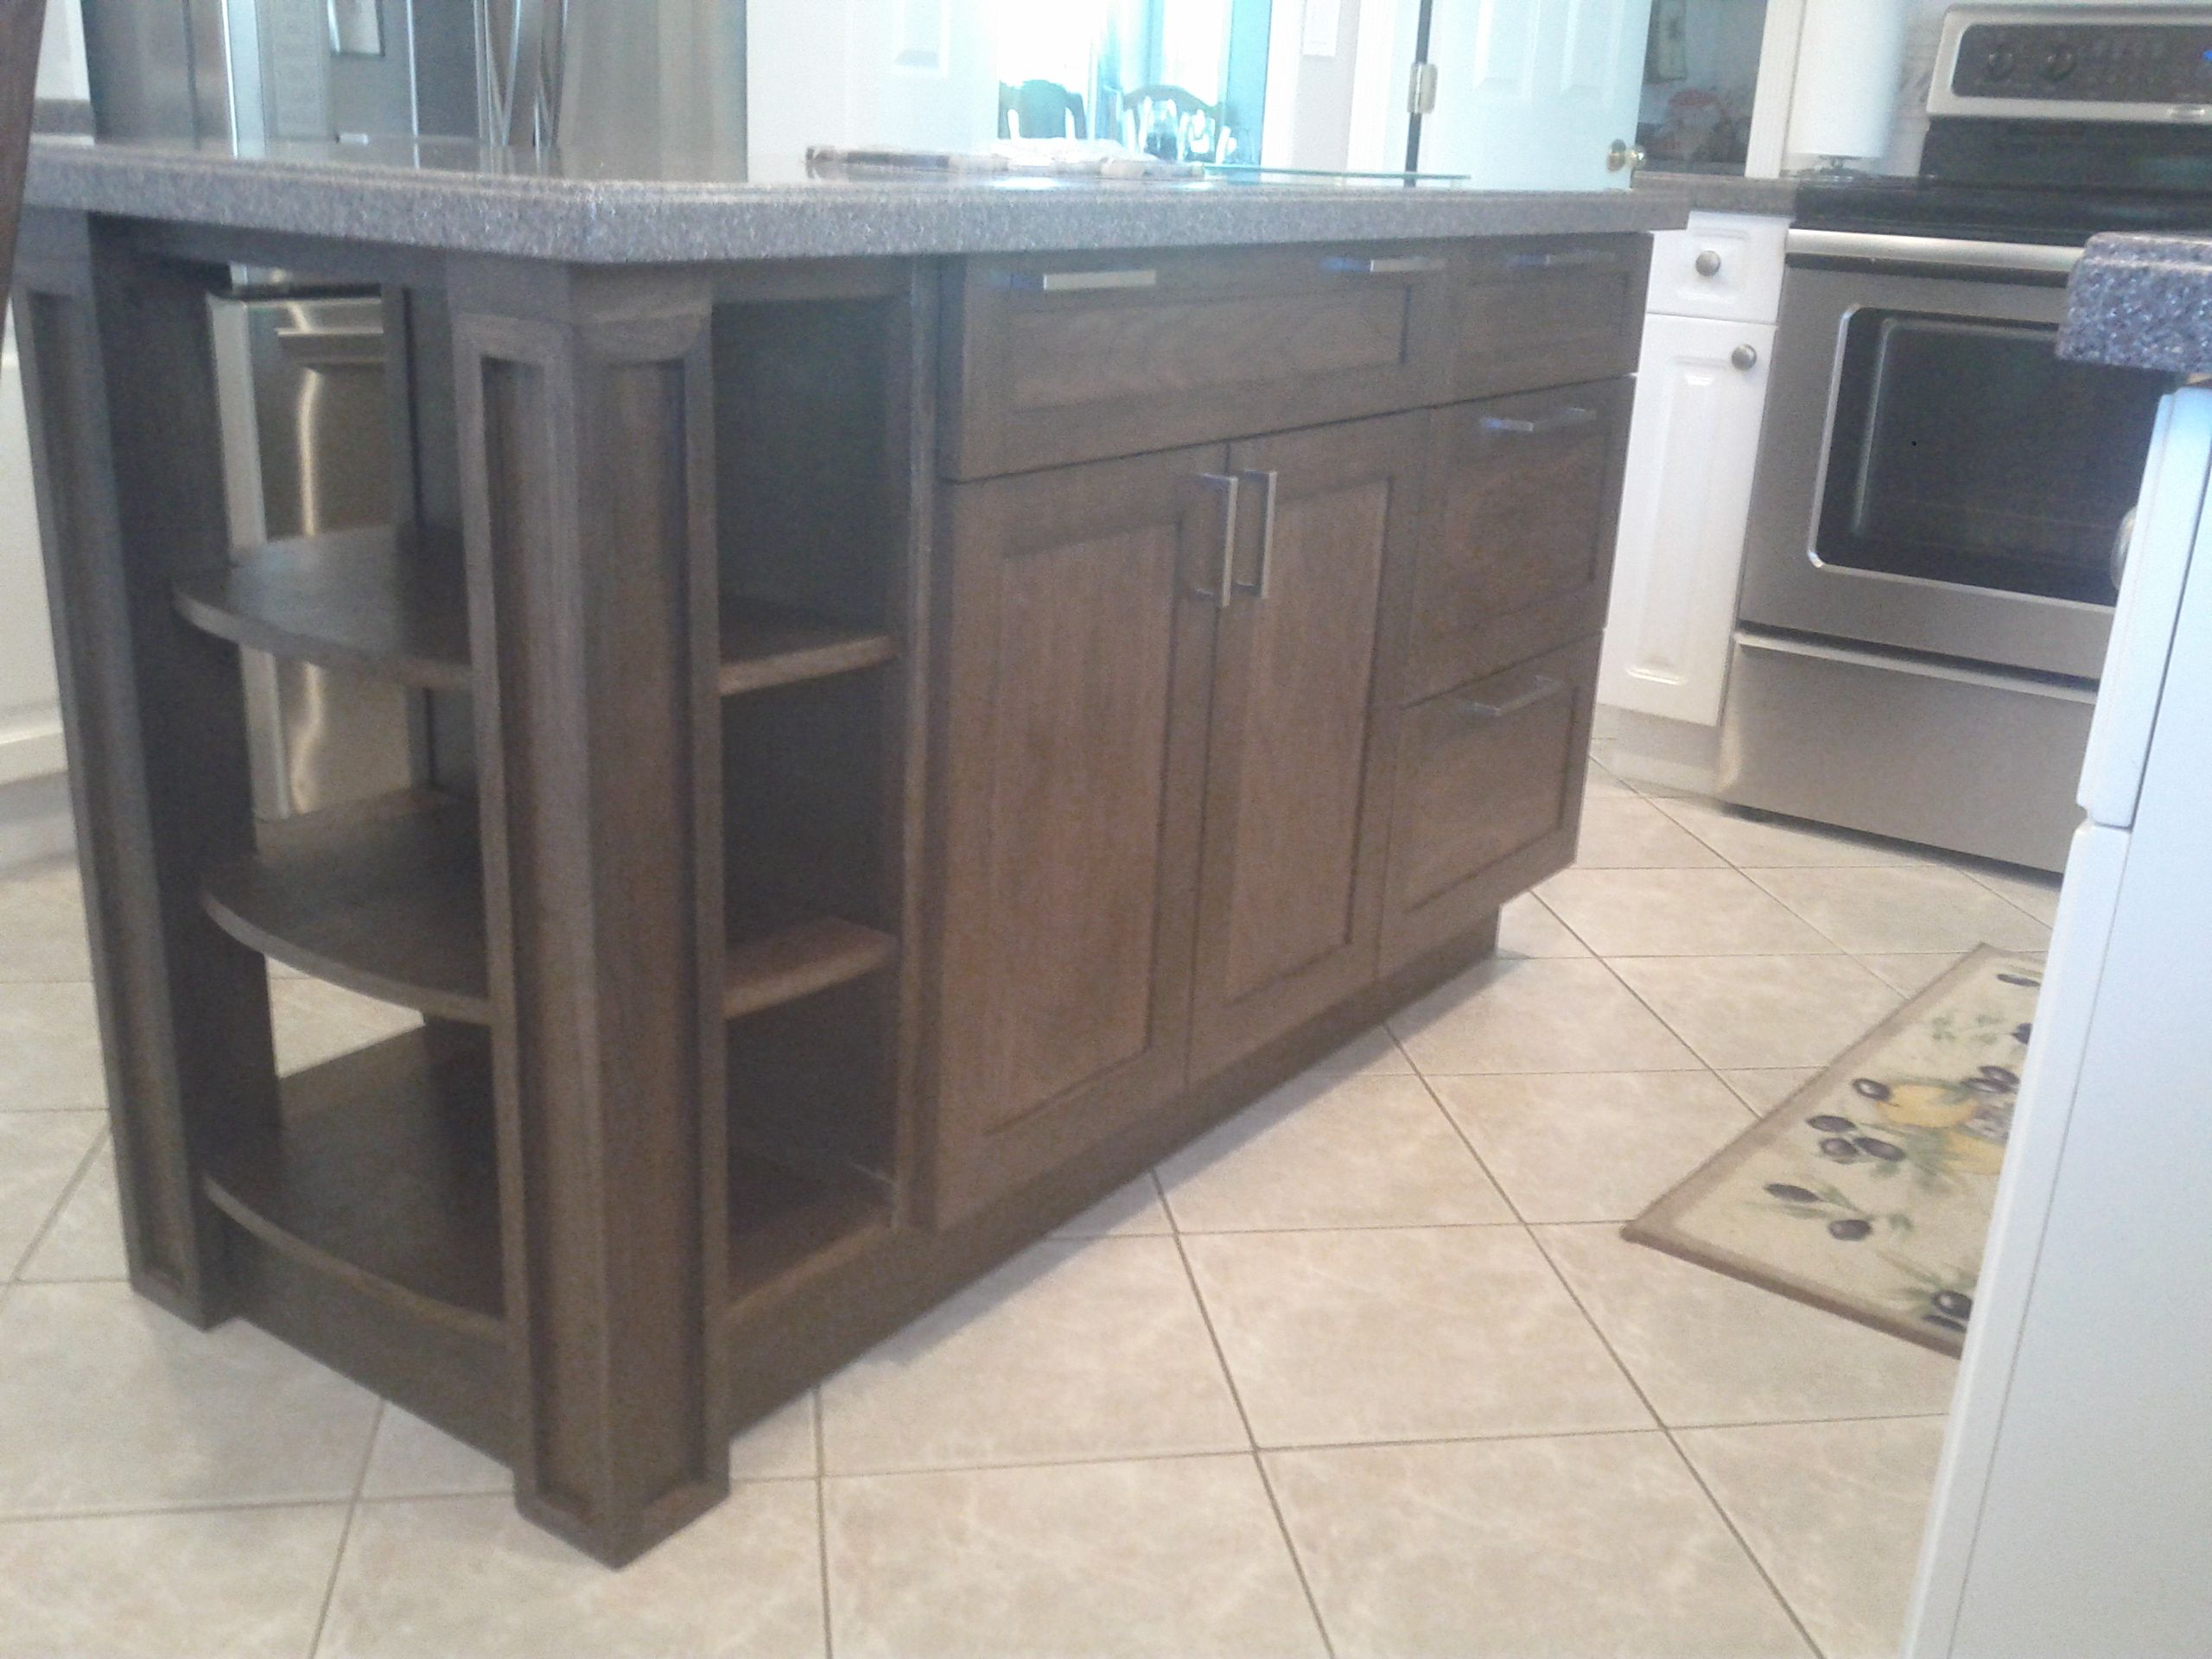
pixel 349 600
pixel 386 898
pixel 355 600
pixel 383 1174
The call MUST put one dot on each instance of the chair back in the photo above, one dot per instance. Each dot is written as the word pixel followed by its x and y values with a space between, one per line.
pixel 1197 124
pixel 22 22
pixel 1040 109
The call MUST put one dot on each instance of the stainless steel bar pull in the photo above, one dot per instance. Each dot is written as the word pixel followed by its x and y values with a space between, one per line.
pixel 1558 257
pixel 1558 421
pixel 1231 485
pixel 1080 281
pixel 1408 265
pixel 1540 689
pixel 1268 481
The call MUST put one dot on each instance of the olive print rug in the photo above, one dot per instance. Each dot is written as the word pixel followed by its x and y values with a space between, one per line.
pixel 1869 1192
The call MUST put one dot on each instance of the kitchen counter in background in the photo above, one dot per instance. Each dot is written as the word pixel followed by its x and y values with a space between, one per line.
pixel 1721 192
pixel 607 210
pixel 2142 302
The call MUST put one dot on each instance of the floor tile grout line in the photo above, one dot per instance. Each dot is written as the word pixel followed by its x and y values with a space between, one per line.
pixel 346 1531
pixel 822 1524
pixel 1758 1563
pixel 1252 1440
pixel 15 1273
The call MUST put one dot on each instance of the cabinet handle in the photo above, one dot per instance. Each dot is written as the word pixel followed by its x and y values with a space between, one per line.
pixel 1079 282
pixel 1408 265
pixel 1557 420
pixel 1540 689
pixel 1230 484
pixel 1708 262
pixel 1561 258
pixel 2123 544
pixel 1267 482
pixel 1746 358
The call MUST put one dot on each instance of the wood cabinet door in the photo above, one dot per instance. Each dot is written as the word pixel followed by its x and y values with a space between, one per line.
pixel 1489 797
pixel 1517 554
pixel 1296 798
pixel 1077 631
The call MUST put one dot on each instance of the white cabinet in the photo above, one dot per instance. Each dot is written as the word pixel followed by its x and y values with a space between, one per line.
pixel 30 715
pixel 1701 393
pixel 1701 396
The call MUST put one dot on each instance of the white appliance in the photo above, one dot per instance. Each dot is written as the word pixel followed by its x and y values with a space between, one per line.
pixel 2073 1516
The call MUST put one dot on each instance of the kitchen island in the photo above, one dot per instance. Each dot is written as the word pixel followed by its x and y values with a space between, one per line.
pixel 931 692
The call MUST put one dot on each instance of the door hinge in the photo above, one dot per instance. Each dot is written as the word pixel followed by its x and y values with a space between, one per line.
pixel 1420 91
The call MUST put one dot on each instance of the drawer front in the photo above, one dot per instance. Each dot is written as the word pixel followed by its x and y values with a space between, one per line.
pixel 1725 265
pixel 1079 358
pixel 1489 797
pixel 1517 549
pixel 1546 311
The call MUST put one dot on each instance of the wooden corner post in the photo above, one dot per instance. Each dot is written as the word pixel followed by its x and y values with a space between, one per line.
pixel 585 414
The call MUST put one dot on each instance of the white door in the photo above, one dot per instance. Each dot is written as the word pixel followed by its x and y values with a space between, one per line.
pixel 1531 94
pixel 1687 499
pixel 910 75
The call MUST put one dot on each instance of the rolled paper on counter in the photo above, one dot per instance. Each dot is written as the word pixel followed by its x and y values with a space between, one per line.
pixel 1850 64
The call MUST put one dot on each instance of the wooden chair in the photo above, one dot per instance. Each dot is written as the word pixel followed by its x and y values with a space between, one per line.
pixel 22 22
pixel 1040 109
pixel 1199 122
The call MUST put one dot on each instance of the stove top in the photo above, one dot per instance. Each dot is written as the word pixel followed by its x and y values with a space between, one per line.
pixel 2049 126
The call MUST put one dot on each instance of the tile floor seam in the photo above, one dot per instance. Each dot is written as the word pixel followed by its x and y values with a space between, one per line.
pixel 1251 1439
pixel 1605 1341
pixel 68 1192
pixel 1758 1563
pixel 1467 1140
pixel 192 1506
pixel 387 1500
pixel 821 1524
pixel 345 1531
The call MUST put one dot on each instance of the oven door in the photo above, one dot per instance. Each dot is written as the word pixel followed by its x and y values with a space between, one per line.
pixel 1932 476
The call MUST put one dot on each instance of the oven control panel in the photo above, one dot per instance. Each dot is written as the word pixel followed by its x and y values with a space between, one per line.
pixel 2079 63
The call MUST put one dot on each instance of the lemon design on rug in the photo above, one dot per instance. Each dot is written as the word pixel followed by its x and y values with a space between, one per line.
pixel 1868 1191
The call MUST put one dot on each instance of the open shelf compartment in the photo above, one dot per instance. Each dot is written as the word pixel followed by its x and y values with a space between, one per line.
pixel 382 1172
pixel 358 601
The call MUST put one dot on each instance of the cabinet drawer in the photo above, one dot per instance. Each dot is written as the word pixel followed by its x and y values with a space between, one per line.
pixel 1516 546
pixel 1489 797
pixel 1082 357
pixel 1725 265
pixel 1545 311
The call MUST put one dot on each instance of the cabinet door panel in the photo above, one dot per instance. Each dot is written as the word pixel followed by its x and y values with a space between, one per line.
pixel 1518 542
pixel 1076 674
pixel 1684 511
pixel 1489 792
pixel 1291 892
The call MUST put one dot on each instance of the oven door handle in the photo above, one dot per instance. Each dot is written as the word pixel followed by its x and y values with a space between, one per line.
pixel 1955 253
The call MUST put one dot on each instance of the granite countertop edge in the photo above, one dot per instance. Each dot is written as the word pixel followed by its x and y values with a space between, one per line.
pixel 615 220
pixel 2142 302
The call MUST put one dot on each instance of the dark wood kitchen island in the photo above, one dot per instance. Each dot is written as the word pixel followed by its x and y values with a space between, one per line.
pixel 929 693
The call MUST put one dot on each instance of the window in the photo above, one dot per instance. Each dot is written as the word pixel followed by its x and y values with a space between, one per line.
pixel 1148 72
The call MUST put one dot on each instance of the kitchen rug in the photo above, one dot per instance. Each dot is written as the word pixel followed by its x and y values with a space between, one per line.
pixel 1868 1193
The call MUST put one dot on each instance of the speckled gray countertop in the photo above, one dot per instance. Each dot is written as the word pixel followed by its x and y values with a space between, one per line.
pixel 1721 192
pixel 455 197
pixel 2142 302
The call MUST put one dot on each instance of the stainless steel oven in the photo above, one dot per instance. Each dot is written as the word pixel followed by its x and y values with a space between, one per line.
pixel 1933 478
pixel 1940 498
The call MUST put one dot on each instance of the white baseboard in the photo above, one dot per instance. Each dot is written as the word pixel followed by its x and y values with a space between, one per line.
pixel 35 822
pixel 1648 749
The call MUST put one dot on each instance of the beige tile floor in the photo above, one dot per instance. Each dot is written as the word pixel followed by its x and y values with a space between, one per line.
pixel 1367 1372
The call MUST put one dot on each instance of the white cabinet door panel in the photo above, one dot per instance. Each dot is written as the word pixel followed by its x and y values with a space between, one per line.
pixel 30 715
pixel 1684 510
pixel 1723 265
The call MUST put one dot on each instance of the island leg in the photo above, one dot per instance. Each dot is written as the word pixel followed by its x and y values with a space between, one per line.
pixel 586 415
pixel 119 374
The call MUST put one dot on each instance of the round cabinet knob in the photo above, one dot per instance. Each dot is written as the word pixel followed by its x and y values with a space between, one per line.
pixel 1708 264
pixel 1746 358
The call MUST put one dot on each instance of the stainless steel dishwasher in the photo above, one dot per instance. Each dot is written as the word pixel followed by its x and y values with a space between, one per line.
pixel 301 384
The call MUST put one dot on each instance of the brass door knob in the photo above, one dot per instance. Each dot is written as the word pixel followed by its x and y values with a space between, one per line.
pixel 1622 156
